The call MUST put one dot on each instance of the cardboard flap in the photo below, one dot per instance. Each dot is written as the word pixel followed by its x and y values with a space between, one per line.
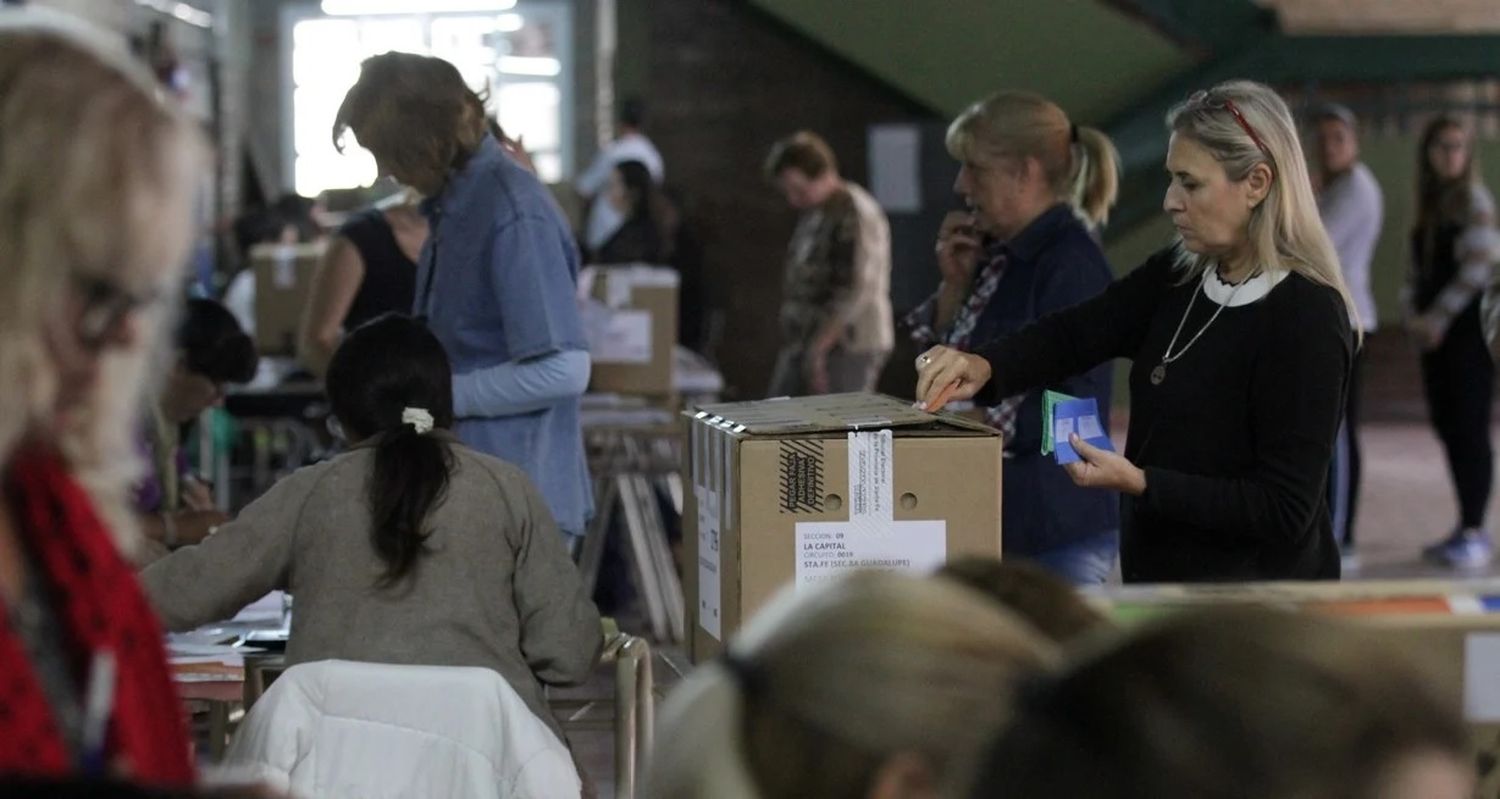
pixel 615 285
pixel 827 414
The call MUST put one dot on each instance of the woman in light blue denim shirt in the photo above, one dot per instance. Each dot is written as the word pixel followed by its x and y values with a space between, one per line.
pixel 497 277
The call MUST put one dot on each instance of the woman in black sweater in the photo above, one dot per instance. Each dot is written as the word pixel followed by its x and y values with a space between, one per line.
pixel 369 270
pixel 1241 344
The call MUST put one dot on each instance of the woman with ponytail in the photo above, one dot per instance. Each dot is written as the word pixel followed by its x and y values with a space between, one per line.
pixel 410 548
pixel 1037 188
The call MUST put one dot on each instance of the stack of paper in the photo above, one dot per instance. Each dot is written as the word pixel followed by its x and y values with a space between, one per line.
pixel 206 662
pixel 269 609
pixel 1062 416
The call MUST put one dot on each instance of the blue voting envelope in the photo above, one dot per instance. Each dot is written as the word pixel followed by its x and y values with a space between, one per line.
pixel 1079 416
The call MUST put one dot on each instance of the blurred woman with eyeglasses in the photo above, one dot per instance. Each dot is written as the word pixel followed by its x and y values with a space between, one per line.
pixel 1454 246
pixel 97 178
pixel 1241 341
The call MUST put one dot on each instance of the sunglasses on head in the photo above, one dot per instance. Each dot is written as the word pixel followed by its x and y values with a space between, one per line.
pixel 1206 99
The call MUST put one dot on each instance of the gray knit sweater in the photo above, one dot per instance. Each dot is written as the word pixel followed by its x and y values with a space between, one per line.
pixel 496 589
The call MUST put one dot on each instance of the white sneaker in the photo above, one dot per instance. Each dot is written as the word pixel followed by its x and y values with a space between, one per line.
pixel 1464 550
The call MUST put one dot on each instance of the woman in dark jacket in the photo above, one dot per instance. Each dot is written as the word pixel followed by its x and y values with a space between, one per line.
pixel 1036 184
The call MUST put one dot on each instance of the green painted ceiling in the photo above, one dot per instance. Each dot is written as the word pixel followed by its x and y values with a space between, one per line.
pixel 1091 59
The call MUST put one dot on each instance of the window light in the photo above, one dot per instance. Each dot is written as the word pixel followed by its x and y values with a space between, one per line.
pixel 530 65
pixel 374 7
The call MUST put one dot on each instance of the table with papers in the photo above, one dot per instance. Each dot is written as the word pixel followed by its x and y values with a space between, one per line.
pixel 208 664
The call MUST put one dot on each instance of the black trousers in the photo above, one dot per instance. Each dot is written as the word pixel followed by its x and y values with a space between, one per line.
pixel 1458 379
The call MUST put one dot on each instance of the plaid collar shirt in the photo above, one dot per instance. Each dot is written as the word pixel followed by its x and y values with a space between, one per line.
pixel 922 322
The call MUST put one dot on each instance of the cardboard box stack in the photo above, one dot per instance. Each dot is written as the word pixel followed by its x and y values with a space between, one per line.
pixel 1449 628
pixel 283 280
pixel 792 492
pixel 630 315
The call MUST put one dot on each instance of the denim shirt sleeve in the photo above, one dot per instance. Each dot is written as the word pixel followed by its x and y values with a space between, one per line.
pixel 514 388
pixel 535 279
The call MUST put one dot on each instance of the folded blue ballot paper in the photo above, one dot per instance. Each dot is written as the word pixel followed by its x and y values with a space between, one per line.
pixel 1079 416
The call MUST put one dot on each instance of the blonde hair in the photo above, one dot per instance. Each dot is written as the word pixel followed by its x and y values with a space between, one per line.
pixel 1080 163
pixel 1286 233
pixel 1229 702
pixel 844 676
pixel 1044 600
pixel 97 179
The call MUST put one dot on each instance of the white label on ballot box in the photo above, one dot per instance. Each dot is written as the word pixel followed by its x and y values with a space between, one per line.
pixel 708 563
pixel 618 289
pixel 621 337
pixel 870 482
pixel 1482 678
pixel 872 538
pixel 827 550
pixel 284 275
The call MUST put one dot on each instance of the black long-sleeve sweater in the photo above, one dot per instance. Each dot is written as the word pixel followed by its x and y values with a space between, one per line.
pixel 1235 441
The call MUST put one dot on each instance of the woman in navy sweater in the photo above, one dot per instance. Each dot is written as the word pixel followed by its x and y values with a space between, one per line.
pixel 1036 185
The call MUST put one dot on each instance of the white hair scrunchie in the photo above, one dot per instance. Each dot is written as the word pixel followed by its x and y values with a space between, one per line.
pixel 418 418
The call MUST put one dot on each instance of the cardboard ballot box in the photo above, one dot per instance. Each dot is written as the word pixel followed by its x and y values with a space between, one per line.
pixel 793 492
pixel 630 316
pixel 283 280
pixel 1448 628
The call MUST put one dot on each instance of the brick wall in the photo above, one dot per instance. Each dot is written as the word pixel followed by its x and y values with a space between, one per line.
pixel 724 81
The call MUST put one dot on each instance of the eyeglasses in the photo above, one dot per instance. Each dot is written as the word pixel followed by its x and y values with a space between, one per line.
pixel 105 305
pixel 1205 100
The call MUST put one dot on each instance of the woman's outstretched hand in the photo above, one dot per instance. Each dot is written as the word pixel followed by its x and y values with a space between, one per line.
pixel 940 368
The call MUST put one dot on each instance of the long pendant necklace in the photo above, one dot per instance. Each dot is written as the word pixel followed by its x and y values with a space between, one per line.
pixel 1159 374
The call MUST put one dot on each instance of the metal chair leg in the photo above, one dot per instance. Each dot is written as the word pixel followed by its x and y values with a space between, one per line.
pixel 625 728
pixel 218 729
pixel 645 715
pixel 634 715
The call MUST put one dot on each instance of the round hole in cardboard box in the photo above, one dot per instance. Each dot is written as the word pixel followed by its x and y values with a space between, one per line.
pixel 833 502
pixel 908 501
